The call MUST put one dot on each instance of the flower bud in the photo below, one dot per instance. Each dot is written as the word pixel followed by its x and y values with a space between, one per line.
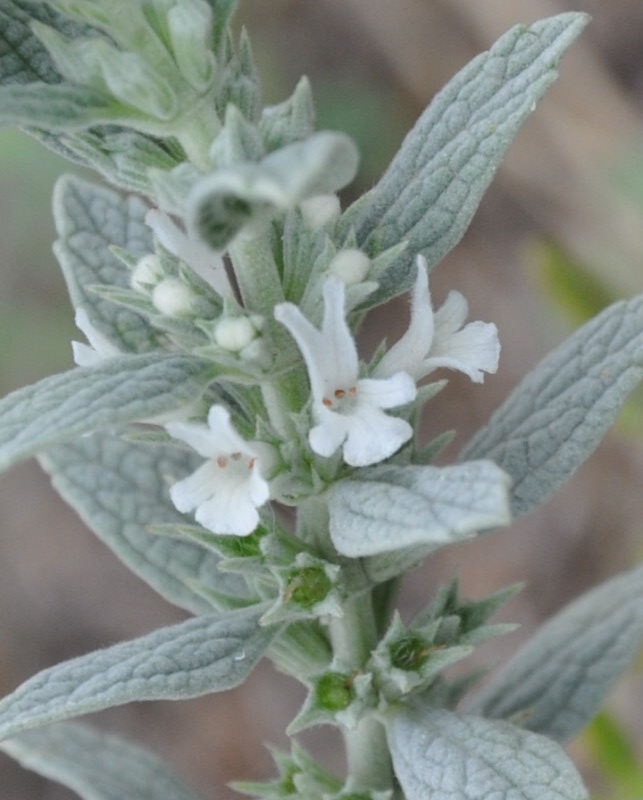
pixel 320 210
pixel 172 298
pixel 234 333
pixel 350 265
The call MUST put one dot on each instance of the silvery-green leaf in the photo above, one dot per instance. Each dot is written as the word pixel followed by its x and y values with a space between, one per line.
pixel 120 489
pixel 119 390
pixel 289 121
pixel 228 199
pixel 57 107
pixel 89 220
pixel 120 155
pixel 199 656
pixel 433 186
pixel 560 412
pixel 391 508
pixel 23 58
pixel 439 755
pixel 558 680
pixel 95 765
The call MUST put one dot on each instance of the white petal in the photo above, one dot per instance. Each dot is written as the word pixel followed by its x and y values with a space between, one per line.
pixel 330 354
pixel 198 436
pixel 85 356
pixel 99 347
pixel 473 350
pixel 207 263
pixel 196 488
pixel 330 434
pixel 232 514
pixel 407 353
pixel 232 506
pixel 225 437
pixel 387 392
pixel 374 436
pixel 338 358
pixel 452 314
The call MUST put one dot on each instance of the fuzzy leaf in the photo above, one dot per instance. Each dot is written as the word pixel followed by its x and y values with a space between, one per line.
pixel 196 657
pixel 89 220
pixel 119 390
pixel 57 107
pixel 95 765
pixel 119 489
pixel 434 184
pixel 442 756
pixel 558 680
pixel 23 57
pixel 560 412
pixel 399 507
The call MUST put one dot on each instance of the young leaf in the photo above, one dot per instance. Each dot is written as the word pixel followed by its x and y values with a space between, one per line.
pixel 95 765
pixel 89 220
pixel 119 489
pixel 119 390
pixel 559 413
pixel 399 507
pixel 558 680
pixel 443 756
pixel 196 657
pixel 433 186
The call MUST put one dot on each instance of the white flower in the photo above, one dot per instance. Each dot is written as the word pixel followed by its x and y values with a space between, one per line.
pixel 228 489
pixel 206 262
pixel 99 347
pixel 438 339
pixel 347 409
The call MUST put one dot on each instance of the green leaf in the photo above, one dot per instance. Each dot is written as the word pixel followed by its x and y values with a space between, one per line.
pixel 23 57
pixel 95 765
pixel 442 756
pixel 57 107
pixel 433 186
pixel 119 390
pixel 558 680
pixel 560 412
pixel 120 489
pixel 90 220
pixel 122 156
pixel 399 507
pixel 196 657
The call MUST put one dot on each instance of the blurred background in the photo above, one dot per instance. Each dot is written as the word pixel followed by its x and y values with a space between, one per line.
pixel 558 235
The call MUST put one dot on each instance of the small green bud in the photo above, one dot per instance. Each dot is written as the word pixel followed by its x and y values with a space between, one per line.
pixel 334 691
pixel 307 586
pixel 410 652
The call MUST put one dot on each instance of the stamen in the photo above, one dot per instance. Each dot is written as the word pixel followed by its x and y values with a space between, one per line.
pixel 339 393
pixel 222 461
pixel 327 402
pixel 235 456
